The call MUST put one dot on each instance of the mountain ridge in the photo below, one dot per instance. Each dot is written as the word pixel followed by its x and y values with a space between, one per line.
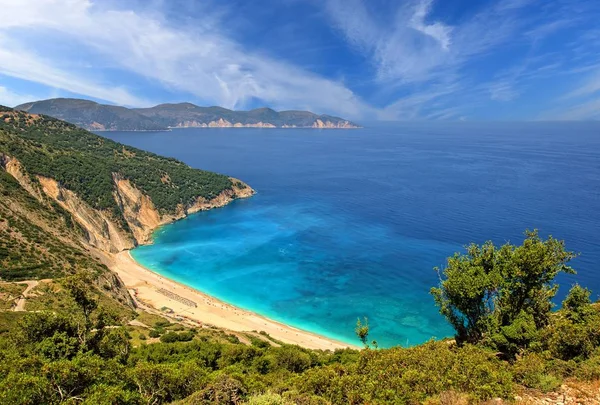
pixel 94 116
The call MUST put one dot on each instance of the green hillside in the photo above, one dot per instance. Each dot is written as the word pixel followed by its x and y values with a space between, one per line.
pixel 79 350
pixel 28 249
pixel 77 338
pixel 85 163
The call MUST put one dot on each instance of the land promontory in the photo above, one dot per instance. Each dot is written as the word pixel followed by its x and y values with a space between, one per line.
pixel 101 117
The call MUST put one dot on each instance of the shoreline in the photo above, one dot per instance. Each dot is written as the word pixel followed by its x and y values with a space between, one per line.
pixel 169 129
pixel 156 291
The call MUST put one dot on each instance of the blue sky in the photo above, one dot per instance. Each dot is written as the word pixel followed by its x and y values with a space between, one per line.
pixel 360 59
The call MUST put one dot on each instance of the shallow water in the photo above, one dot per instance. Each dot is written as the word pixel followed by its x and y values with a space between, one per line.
pixel 350 223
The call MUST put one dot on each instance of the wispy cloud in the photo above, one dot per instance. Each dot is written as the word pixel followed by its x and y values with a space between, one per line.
pixel 503 91
pixel 202 62
pixel 20 63
pixel 10 99
pixel 440 66
pixel 414 61
pixel 437 30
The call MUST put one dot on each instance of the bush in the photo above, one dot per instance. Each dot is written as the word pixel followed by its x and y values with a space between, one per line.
pixel 531 371
pixel 169 337
pixel 267 399
pixel 589 369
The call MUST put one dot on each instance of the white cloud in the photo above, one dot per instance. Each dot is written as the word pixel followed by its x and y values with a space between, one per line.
pixel 25 65
pixel 589 86
pixel 586 110
pixel 408 49
pixel 437 30
pixel 439 67
pixel 580 103
pixel 11 99
pixel 199 61
pixel 503 91
pixel 414 49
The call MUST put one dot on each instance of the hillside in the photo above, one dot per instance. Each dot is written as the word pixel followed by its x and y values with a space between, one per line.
pixel 93 116
pixel 71 333
pixel 117 194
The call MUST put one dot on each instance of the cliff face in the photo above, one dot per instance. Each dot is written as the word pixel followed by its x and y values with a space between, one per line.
pixel 221 123
pixel 143 218
pixel 15 169
pixel 103 231
pixel 329 124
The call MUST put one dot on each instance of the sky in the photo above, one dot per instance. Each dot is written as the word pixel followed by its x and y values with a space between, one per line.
pixel 359 59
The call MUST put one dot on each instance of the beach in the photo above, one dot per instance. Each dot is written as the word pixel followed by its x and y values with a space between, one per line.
pixel 151 289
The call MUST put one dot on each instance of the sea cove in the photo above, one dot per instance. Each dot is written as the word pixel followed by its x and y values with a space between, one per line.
pixel 349 224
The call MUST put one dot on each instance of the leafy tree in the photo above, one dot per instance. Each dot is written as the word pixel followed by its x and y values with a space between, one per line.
pixel 574 333
pixel 576 304
pixel 502 295
pixel 362 331
pixel 78 287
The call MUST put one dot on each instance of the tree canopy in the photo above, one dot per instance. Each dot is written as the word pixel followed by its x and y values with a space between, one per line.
pixel 502 295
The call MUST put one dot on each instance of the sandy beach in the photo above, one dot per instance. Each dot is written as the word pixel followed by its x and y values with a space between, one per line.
pixel 154 290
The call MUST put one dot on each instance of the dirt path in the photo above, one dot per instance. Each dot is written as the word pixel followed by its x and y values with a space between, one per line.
pixel 31 284
pixel 135 322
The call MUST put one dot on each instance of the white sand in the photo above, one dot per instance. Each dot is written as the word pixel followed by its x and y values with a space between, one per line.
pixel 209 310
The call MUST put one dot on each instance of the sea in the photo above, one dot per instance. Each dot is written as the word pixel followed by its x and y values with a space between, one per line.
pixel 349 224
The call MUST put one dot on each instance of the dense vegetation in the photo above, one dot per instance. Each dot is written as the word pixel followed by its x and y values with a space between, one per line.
pixel 85 163
pixel 37 240
pixel 75 342
pixel 72 354
pixel 90 115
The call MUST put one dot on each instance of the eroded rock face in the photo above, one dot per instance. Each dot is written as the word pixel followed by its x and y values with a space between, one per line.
pixel 104 231
pixel 143 217
pixel 328 124
pixel 222 123
pixel 138 209
pixel 15 169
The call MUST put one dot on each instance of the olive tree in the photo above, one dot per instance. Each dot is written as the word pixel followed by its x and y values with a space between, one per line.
pixel 502 295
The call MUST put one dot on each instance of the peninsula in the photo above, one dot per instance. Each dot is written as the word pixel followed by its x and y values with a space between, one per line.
pixel 101 117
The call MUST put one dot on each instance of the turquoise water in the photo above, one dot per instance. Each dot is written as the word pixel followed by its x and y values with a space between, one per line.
pixel 349 224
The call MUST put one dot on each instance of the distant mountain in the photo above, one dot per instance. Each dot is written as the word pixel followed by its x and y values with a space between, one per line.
pixel 101 117
pixel 92 116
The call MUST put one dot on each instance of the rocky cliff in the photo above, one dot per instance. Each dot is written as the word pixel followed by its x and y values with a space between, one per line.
pixel 106 232
pixel 116 194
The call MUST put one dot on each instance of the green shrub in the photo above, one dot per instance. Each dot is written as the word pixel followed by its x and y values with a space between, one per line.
pixel 267 399
pixel 531 370
pixel 169 337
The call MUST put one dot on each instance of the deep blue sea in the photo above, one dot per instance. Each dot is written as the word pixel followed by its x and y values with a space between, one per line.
pixel 351 223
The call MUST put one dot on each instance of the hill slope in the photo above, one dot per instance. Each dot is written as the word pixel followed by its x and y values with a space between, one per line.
pixel 93 116
pixel 117 194
pixel 73 341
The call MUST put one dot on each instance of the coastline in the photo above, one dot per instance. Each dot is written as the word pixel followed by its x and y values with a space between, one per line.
pixel 144 286
pixel 169 129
